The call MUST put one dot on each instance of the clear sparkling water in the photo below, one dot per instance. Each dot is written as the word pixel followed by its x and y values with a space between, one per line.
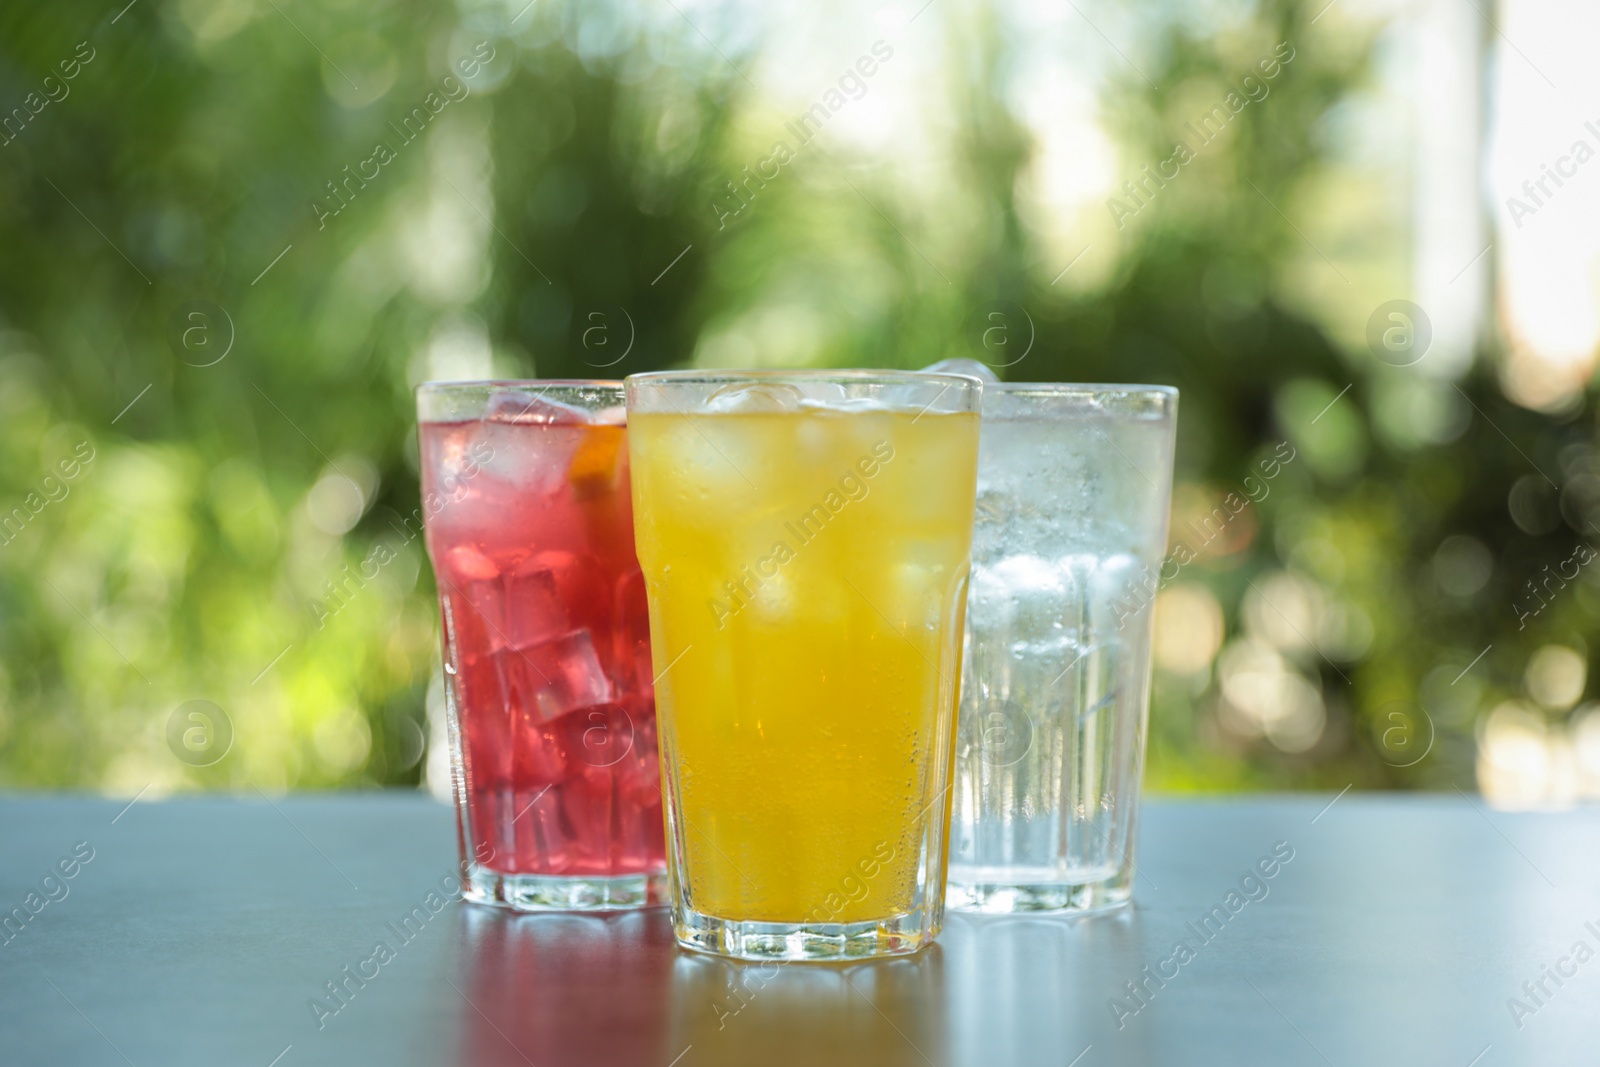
pixel 1070 532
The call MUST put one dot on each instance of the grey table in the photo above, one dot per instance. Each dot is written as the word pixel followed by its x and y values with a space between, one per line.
pixel 208 931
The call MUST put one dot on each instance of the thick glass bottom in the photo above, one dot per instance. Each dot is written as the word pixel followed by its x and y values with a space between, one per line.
pixel 898 935
pixel 1001 897
pixel 552 892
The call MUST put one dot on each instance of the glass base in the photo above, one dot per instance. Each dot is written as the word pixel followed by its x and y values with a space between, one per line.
pixel 1080 898
pixel 899 935
pixel 555 892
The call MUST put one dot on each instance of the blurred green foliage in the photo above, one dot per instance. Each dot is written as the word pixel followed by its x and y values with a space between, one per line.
pixel 577 180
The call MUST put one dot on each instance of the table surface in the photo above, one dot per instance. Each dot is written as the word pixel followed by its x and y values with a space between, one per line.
pixel 206 931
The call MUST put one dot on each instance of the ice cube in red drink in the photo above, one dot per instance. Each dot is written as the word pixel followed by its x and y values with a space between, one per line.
pixel 547 679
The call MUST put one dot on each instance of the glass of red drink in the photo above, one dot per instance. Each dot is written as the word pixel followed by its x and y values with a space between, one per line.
pixel 529 524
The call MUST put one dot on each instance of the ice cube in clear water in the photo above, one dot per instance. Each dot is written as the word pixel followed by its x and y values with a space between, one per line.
pixel 749 398
pixel 1121 591
pixel 1026 601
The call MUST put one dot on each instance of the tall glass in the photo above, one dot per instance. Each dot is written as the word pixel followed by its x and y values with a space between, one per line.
pixel 1074 488
pixel 529 524
pixel 805 539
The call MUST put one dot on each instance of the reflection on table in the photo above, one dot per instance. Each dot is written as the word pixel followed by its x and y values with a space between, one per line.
pixel 564 989
pixel 554 990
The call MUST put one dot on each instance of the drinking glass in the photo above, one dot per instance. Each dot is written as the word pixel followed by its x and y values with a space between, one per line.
pixel 805 539
pixel 1074 488
pixel 529 524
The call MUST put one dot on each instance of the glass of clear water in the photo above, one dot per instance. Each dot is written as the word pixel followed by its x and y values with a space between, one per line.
pixel 1074 490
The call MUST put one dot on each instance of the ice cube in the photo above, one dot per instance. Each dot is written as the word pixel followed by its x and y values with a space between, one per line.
pixel 475 616
pixel 543 844
pixel 638 777
pixel 845 403
pixel 834 396
pixel 582 584
pixel 491 822
pixel 922 589
pixel 485 723
pixel 587 801
pixel 971 368
pixel 641 835
pixel 521 607
pixel 541 597
pixel 468 630
pixel 466 563
pixel 639 773
pixel 548 679
pixel 630 634
pixel 531 407
pixel 448 452
pixel 531 606
pixel 600 736
pixel 540 756
pixel 518 462
pixel 741 398
pixel 777 600
pixel 524 441
pixel 1025 594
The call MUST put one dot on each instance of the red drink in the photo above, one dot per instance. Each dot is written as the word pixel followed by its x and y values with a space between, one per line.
pixel 546 641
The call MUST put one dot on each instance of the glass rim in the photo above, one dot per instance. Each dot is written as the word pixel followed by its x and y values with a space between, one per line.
pixel 463 384
pixel 1082 388
pixel 471 401
pixel 1020 401
pixel 860 374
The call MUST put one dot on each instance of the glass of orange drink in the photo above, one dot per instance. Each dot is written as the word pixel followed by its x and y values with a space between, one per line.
pixel 805 539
